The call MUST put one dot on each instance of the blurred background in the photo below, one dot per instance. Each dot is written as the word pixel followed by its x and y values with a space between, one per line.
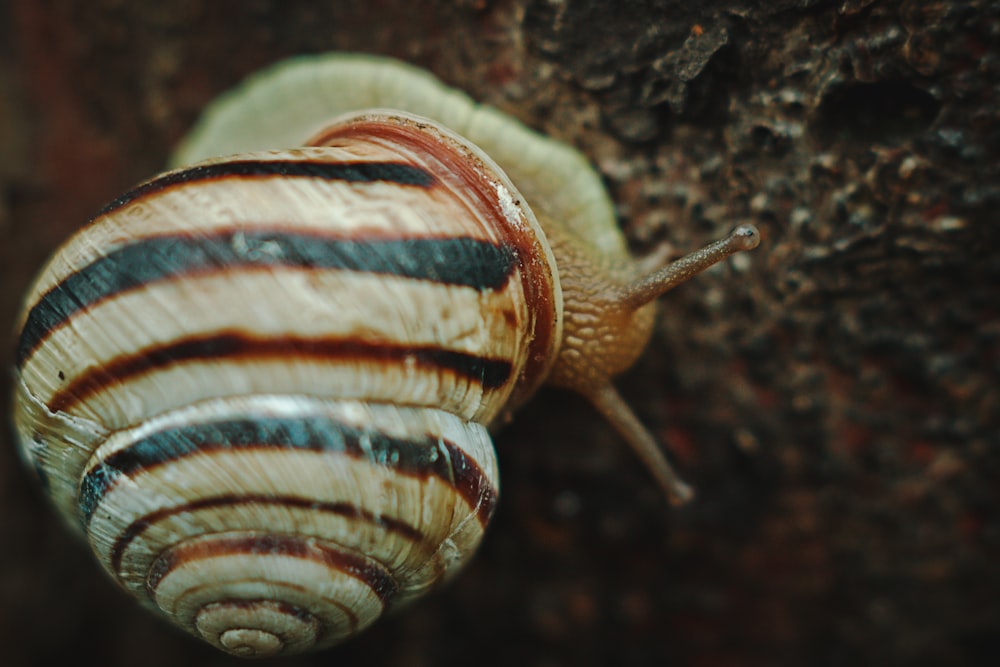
pixel 834 396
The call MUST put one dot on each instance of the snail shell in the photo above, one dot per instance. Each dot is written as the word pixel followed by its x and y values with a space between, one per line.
pixel 260 385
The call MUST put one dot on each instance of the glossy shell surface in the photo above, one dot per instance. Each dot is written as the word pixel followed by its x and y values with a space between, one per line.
pixel 260 384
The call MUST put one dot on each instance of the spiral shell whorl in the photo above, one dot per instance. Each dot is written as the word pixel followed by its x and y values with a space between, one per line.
pixel 260 384
pixel 281 523
pixel 256 629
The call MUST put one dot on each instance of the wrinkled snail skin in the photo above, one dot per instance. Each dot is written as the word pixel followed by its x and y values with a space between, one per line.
pixel 260 385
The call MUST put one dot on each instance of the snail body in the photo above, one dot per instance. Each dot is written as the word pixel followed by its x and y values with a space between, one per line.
pixel 260 385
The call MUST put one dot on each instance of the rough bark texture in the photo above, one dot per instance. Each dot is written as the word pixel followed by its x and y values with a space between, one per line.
pixel 834 396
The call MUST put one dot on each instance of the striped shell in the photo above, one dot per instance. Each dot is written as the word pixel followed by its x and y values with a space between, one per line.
pixel 259 385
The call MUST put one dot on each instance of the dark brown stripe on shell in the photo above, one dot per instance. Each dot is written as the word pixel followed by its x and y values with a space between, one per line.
pixel 490 373
pixel 460 261
pixel 372 574
pixel 345 509
pixel 454 164
pixel 350 172
pixel 420 455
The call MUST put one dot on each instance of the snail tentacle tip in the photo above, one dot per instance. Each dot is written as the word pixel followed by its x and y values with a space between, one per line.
pixel 680 493
pixel 746 237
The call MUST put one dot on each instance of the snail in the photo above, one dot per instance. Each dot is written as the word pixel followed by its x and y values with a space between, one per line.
pixel 261 385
